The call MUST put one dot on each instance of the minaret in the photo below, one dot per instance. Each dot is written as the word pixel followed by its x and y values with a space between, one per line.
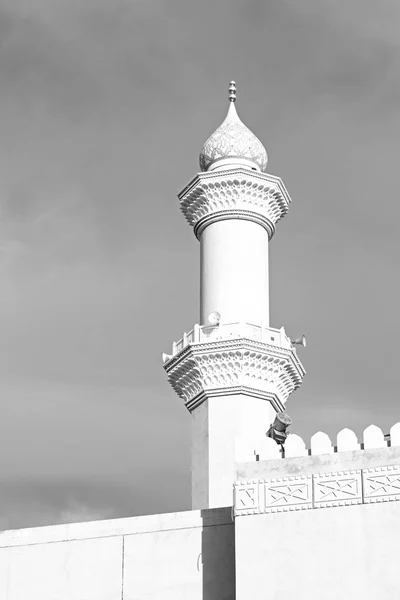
pixel 232 370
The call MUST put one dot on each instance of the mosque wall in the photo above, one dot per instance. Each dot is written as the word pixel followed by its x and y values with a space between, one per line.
pixel 339 552
pixel 321 525
pixel 172 556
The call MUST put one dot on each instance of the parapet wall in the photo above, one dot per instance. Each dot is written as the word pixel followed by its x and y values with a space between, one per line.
pixel 266 448
pixel 324 476
pixel 287 548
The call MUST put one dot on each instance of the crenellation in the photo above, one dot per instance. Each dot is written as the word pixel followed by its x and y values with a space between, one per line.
pixel 295 446
pixel 374 438
pixel 346 440
pixel 395 435
pixel 321 444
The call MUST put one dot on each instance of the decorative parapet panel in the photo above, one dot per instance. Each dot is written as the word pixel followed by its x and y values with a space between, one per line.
pixel 381 484
pixel 320 490
pixel 273 495
pixel 235 193
pixel 247 494
pixel 337 489
pixel 232 359
pixel 294 492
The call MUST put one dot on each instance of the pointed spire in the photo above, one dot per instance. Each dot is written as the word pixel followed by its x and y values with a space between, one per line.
pixel 233 145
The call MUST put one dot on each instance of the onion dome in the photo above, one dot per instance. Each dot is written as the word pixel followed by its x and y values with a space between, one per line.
pixel 233 145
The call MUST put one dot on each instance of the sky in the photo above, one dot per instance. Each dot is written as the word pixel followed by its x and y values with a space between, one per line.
pixel 104 107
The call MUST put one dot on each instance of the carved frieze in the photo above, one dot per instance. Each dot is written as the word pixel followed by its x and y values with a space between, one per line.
pixel 287 493
pixel 337 489
pixel 247 497
pixel 382 484
pixel 235 193
pixel 318 490
pixel 232 366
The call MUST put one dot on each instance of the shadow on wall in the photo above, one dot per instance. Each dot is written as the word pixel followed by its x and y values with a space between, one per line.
pixel 217 559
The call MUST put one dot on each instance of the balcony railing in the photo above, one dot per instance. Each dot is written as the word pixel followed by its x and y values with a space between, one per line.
pixel 226 331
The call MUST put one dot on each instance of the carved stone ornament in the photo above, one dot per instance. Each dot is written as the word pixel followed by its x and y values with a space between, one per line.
pixel 234 194
pixel 319 490
pixel 337 489
pixel 247 497
pixel 287 493
pixel 273 495
pixel 233 139
pixel 382 484
pixel 235 366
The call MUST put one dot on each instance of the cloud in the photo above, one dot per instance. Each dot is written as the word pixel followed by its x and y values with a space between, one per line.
pixel 104 110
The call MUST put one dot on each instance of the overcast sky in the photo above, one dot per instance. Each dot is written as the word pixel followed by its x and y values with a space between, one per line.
pixel 104 106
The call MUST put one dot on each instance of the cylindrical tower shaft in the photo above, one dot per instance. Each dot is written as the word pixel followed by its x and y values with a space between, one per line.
pixel 234 272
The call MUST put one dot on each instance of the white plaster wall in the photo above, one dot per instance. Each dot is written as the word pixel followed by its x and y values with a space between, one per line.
pixel 221 428
pixel 343 552
pixel 319 463
pixel 189 563
pixel 234 272
pixel 187 555
pixel 330 553
pixel 72 570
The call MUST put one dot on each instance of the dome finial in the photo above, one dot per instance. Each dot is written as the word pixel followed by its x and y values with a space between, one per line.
pixel 233 145
pixel 232 91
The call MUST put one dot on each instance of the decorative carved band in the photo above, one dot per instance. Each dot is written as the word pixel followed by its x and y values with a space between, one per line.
pixel 337 489
pixel 381 484
pixel 247 497
pixel 243 390
pixel 235 366
pixel 320 490
pixel 273 495
pixel 236 193
pixel 290 493
pixel 224 215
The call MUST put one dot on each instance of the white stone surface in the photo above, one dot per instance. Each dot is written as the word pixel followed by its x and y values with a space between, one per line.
pixel 245 450
pixel 344 552
pixel 347 440
pixel 287 494
pixel 321 443
pixel 320 463
pixel 233 386
pixel 75 570
pixel 337 489
pixel 267 448
pixel 382 484
pixel 230 143
pixel 317 490
pixel 247 497
pixel 220 428
pixel 161 556
pixel 336 479
pixel 295 446
pixel 395 435
pixel 219 366
pixel 234 272
pixel 373 438
pixel 236 193
pixel 191 563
